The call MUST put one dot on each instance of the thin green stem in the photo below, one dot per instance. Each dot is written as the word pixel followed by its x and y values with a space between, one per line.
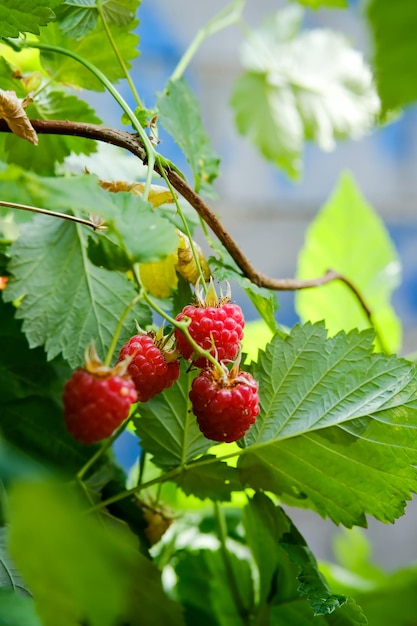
pixel 119 56
pixel 134 490
pixel 230 576
pixel 226 17
pixel 104 447
pixel 150 152
pixel 119 327
pixel 142 461
pixel 185 224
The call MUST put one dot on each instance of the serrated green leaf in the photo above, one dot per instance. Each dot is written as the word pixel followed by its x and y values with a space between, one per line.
pixel 204 591
pixel 310 86
pixel 216 481
pixel 93 48
pixel 281 553
pixel 312 583
pixel 78 17
pixel 334 415
pixel 395 48
pixel 25 16
pixel 66 300
pixel 16 609
pixel 167 428
pixel 100 576
pixel 179 114
pixel 51 149
pixel 10 578
pixel 349 237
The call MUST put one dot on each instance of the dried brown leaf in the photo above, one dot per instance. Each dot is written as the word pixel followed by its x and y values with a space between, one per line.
pixel 12 111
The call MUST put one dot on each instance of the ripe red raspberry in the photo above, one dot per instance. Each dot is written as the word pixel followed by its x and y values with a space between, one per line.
pixel 225 406
pixel 216 326
pixel 96 403
pixel 150 367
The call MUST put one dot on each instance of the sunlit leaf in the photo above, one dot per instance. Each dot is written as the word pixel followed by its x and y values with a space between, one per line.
pixel 160 278
pixel 215 480
pixel 297 87
pixel 349 237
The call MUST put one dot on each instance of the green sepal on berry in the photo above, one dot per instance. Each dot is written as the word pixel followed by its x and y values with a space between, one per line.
pixel 97 399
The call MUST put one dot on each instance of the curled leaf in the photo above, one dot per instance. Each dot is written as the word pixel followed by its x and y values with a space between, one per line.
pixel 12 111
pixel 157 195
pixel 187 265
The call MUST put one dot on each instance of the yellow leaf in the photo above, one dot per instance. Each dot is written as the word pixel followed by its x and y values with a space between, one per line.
pixel 186 265
pixel 12 111
pixel 160 278
pixel 157 195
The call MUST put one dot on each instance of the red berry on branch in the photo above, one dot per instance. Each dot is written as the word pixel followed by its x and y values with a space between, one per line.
pixel 225 406
pixel 216 326
pixel 97 400
pixel 151 368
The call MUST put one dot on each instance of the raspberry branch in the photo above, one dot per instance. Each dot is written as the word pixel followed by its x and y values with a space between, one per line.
pixel 132 142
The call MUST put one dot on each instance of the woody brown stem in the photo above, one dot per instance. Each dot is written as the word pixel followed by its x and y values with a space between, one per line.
pixel 132 143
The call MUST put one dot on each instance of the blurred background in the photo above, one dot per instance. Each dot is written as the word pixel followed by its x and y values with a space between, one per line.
pixel 268 214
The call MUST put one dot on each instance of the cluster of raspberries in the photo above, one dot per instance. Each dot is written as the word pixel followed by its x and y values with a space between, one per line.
pixel 97 399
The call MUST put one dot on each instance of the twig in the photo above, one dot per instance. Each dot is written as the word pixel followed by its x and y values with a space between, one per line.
pixel 132 143
pixel 63 216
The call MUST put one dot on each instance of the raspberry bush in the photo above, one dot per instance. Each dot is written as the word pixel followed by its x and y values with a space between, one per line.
pixel 228 418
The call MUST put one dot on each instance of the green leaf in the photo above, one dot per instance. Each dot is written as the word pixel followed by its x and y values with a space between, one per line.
pixel 78 17
pixel 142 234
pixel 334 415
pixel 52 149
pixel 395 48
pixel 204 590
pixel 10 578
pixel 94 48
pixel 316 4
pixel 310 86
pixel 16 609
pixel 281 553
pixel 312 583
pixel 167 428
pixel 349 237
pixel 215 481
pixel 179 114
pixel 80 569
pixel 66 300
pixel 25 16
pixel 30 408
